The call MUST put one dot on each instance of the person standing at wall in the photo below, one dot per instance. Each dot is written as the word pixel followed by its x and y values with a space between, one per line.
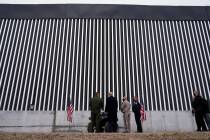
pixel 136 106
pixel 206 106
pixel 125 108
pixel 96 104
pixel 111 109
pixel 198 109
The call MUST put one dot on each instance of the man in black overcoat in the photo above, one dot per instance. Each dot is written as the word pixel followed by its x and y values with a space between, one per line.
pixel 111 109
pixel 198 109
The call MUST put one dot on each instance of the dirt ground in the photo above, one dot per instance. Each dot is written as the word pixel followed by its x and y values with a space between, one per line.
pixel 105 136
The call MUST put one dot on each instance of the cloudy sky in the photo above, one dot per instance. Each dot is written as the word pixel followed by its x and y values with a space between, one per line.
pixel 133 2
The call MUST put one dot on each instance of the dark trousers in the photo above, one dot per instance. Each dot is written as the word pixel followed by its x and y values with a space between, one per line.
pixel 111 127
pixel 199 118
pixel 95 119
pixel 138 123
pixel 207 120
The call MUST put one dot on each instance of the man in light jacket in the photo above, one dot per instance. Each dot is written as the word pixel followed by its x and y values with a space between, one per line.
pixel 125 108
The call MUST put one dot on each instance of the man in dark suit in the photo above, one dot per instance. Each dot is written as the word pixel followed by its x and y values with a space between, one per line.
pixel 136 106
pixel 111 109
pixel 199 110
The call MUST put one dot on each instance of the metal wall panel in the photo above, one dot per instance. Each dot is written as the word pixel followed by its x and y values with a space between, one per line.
pixel 47 61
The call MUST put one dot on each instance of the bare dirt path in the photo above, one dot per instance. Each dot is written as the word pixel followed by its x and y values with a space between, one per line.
pixel 106 136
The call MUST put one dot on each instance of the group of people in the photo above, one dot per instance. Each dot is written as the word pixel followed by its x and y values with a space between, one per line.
pixel 200 108
pixel 111 109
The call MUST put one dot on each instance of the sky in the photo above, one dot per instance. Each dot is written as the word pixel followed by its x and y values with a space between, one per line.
pixel 131 2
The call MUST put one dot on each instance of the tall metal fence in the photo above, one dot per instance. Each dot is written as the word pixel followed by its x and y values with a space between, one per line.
pixel 45 62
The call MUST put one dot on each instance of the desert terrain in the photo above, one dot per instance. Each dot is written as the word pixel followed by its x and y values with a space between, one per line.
pixel 106 136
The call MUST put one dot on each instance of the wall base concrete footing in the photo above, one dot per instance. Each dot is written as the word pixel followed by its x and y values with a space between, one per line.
pixel 49 121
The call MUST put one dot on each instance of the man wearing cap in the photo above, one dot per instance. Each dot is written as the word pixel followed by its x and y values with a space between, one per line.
pixel 96 104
